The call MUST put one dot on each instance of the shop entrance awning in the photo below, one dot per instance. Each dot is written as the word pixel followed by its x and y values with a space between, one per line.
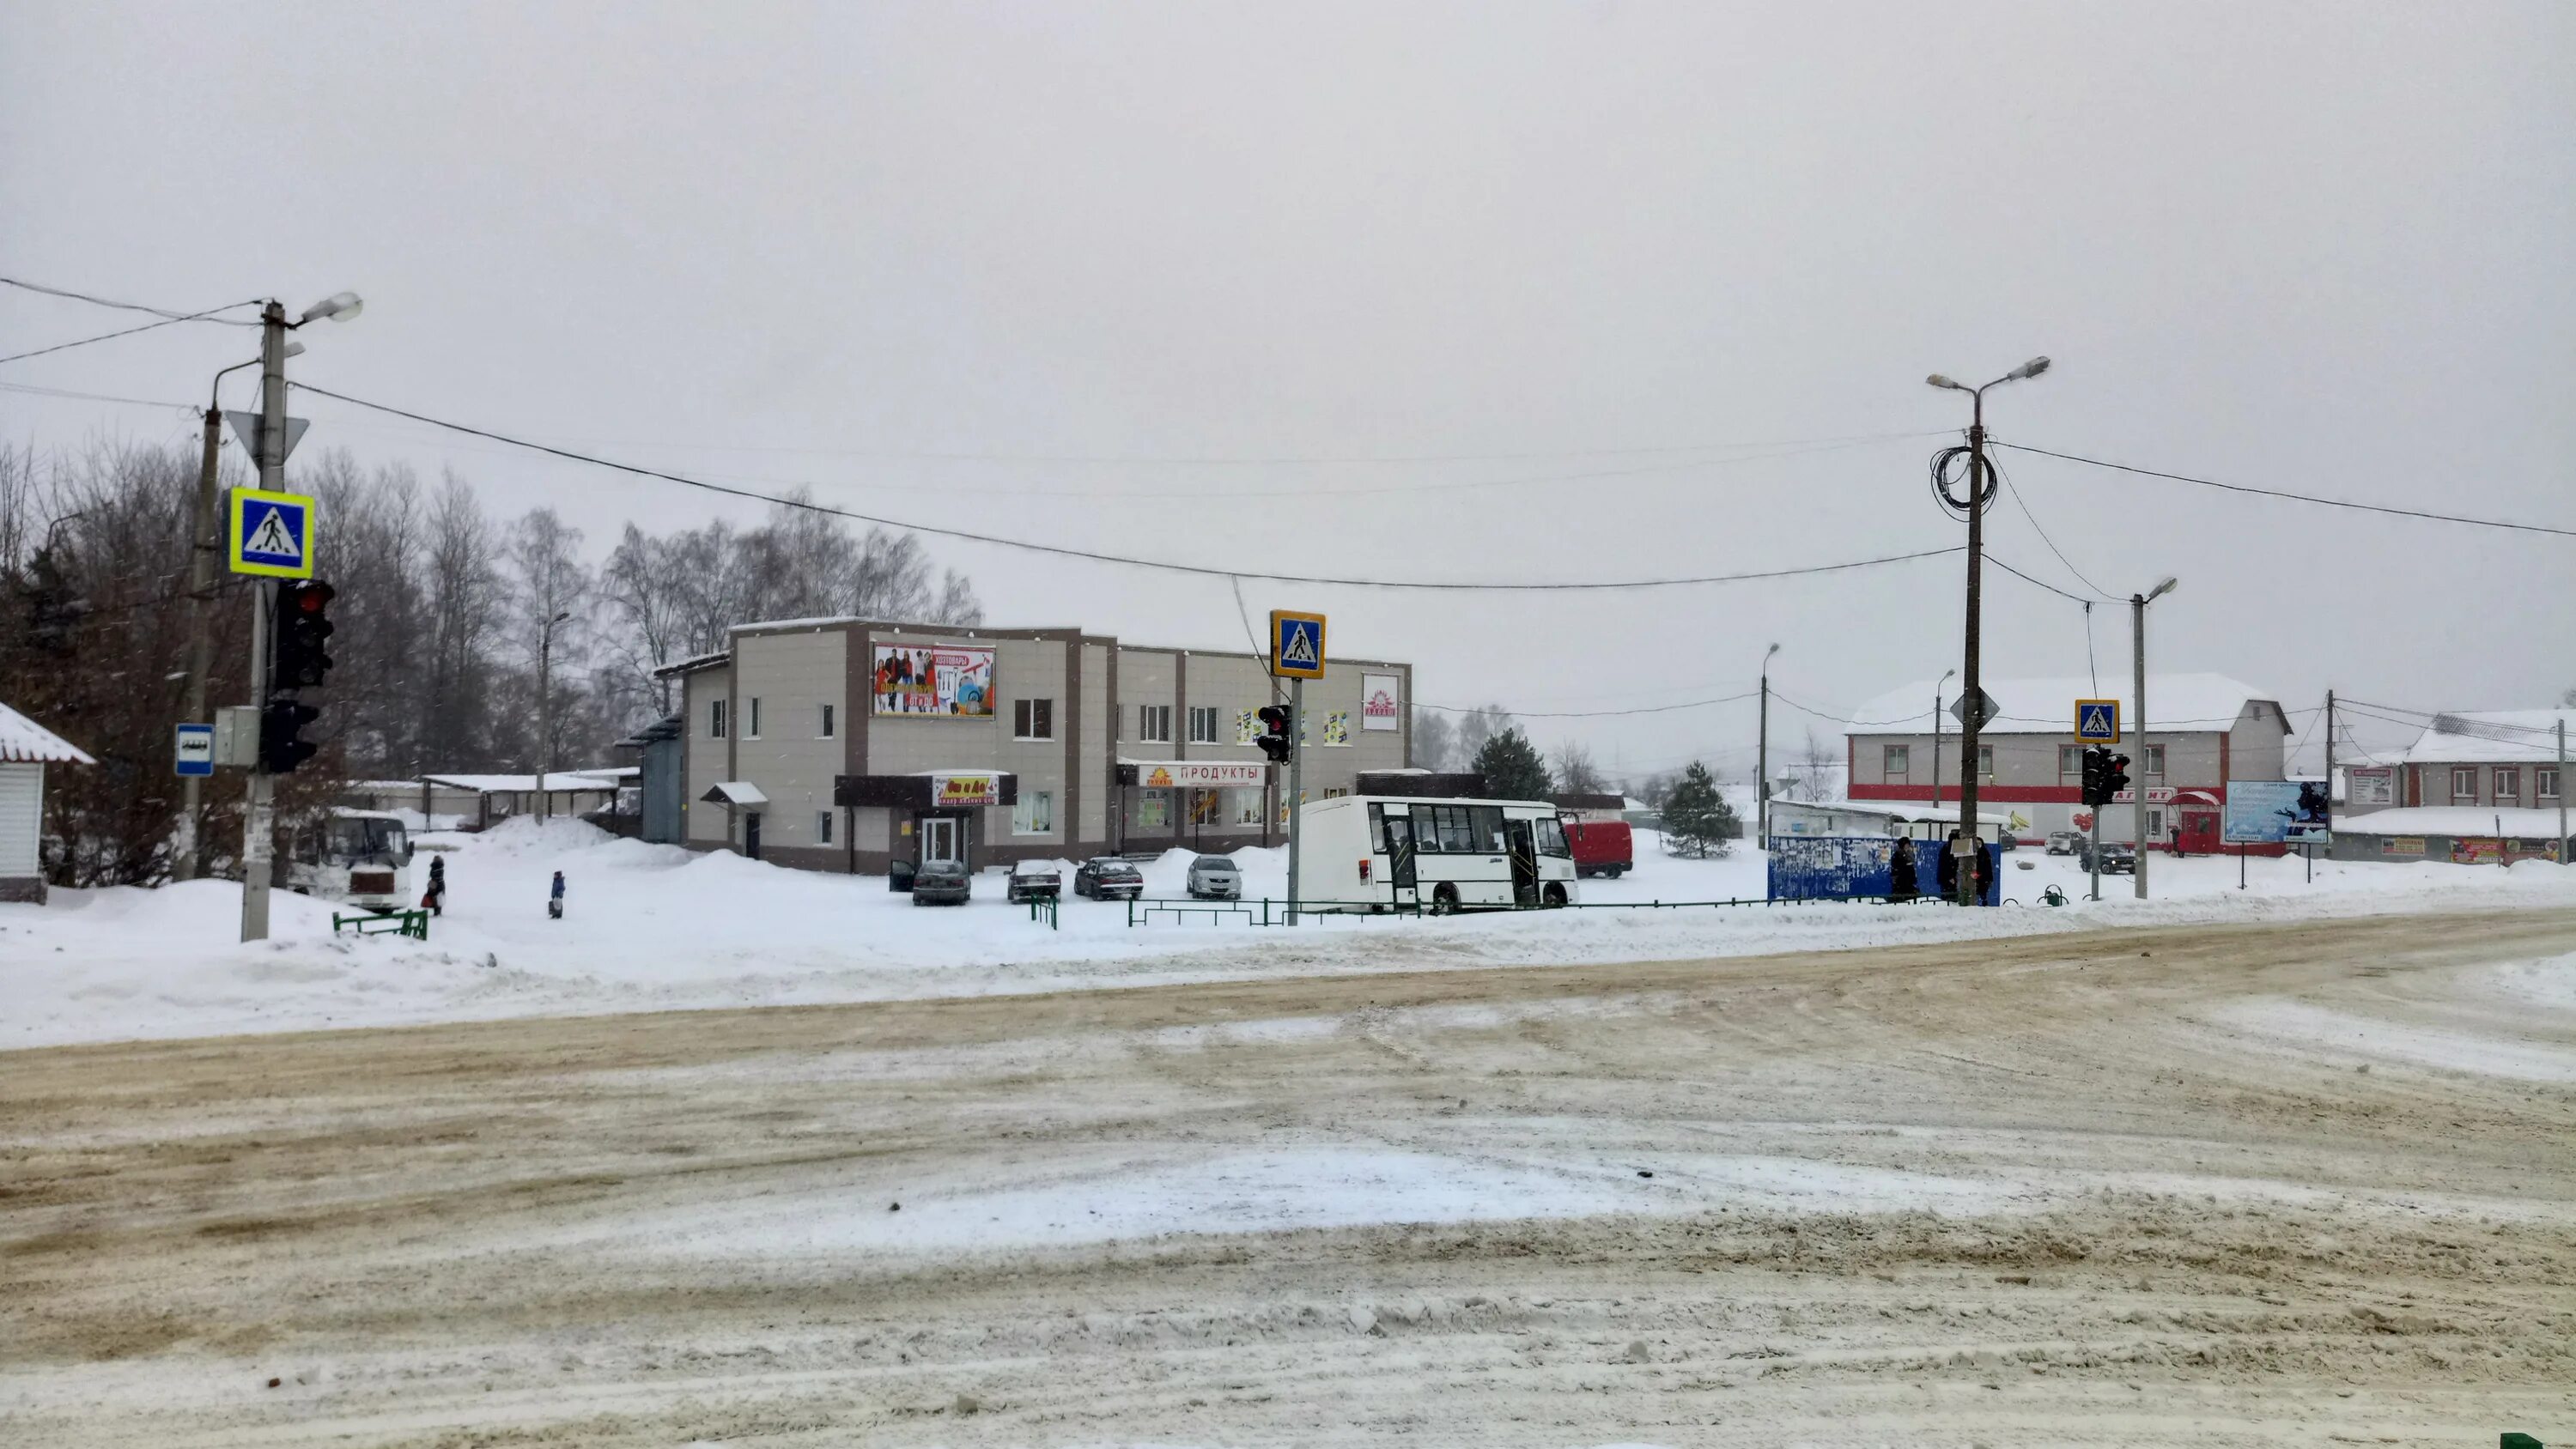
pixel 735 795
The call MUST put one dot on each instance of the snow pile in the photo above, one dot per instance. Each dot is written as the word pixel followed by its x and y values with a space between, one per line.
pixel 653 927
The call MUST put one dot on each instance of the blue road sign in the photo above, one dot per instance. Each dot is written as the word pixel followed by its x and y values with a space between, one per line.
pixel 1296 645
pixel 194 753
pixel 2097 721
pixel 272 534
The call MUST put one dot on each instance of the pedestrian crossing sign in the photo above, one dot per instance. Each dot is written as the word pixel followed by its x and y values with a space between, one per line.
pixel 271 534
pixel 1296 645
pixel 2097 721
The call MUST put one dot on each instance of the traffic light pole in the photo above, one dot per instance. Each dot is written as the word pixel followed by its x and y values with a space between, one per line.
pixel 2093 857
pixel 2138 810
pixel 258 810
pixel 1296 784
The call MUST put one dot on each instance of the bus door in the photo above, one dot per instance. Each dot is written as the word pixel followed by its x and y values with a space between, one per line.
pixel 1396 838
pixel 1522 846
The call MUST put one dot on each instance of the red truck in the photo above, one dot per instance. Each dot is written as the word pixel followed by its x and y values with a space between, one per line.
pixel 1602 847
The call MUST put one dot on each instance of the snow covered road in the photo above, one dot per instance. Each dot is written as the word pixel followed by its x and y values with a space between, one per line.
pixel 2254 1182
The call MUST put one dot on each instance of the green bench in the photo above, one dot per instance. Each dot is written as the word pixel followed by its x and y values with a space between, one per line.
pixel 414 924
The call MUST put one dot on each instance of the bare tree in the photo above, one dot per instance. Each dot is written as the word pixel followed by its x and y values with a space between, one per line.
pixel 1812 774
pixel 1435 740
pixel 550 596
pixel 1477 726
pixel 1574 770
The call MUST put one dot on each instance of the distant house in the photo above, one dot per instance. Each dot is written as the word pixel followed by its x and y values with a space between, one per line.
pixel 2480 788
pixel 2204 731
pixel 26 747
pixel 1592 809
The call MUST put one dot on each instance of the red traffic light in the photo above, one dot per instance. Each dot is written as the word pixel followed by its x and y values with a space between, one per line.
pixel 313 596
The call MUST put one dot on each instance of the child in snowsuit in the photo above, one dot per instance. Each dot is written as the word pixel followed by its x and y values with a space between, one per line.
pixel 554 903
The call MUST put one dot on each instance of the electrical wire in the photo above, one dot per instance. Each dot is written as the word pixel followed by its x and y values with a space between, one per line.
pixel 207 315
pixel 1094 556
pixel 2296 497
pixel 2436 715
pixel 141 402
pixel 2024 504
pixel 129 306
pixel 1592 713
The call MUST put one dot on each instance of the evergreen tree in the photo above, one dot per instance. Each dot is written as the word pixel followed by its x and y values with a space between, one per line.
pixel 1697 820
pixel 1512 767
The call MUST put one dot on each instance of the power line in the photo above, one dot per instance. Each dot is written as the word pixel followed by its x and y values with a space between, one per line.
pixel 2052 588
pixel 1061 551
pixel 207 315
pixel 2296 497
pixel 141 402
pixel 1590 713
pixel 162 312
pixel 2024 505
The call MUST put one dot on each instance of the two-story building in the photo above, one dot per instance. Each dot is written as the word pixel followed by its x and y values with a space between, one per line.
pixel 2206 731
pixel 2474 787
pixel 847 744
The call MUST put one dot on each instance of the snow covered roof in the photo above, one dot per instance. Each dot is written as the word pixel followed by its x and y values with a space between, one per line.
pixel 1940 814
pixel 692 664
pixel 739 793
pixel 2472 820
pixel 23 741
pixel 2047 706
pixel 556 783
pixel 2503 736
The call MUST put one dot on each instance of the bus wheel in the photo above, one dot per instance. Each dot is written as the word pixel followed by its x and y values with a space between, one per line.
pixel 1555 896
pixel 1444 900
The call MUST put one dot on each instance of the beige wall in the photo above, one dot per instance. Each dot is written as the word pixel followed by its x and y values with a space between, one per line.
pixel 706 754
pixel 1145 677
pixel 792 675
pixel 2032 760
pixel 1097 749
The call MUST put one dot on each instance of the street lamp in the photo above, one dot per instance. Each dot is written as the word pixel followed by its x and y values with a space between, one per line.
pixel 1762 760
pixel 2138 650
pixel 1972 719
pixel 1946 676
pixel 339 307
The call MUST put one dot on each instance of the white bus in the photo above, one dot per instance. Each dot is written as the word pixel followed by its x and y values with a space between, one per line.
pixel 362 857
pixel 1387 852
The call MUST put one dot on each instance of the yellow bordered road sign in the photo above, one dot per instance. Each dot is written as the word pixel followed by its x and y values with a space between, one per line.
pixel 2097 721
pixel 1296 645
pixel 271 534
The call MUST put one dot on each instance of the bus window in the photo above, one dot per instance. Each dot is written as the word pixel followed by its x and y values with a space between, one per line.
pixel 1487 821
pixel 1426 829
pixel 1551 837
pixel 1377 827
pixel 1457 830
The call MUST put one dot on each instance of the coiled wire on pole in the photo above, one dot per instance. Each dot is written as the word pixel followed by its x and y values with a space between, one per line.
pixel 1950 462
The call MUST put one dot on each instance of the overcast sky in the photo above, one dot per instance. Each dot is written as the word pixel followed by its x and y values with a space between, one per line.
pixel 1660 282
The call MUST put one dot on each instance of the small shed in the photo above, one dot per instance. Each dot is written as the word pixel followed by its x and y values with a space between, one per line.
pixel 26 748
pixel 498 797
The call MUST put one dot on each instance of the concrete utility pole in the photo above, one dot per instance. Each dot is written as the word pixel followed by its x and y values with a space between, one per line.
pixel 1946 676
pixel 2562 792
pixel 1762 761
pixel 259 807
pixel 1972 720
pixel 1296 785
pixel 2330 776
pixel 2138 803
pixel 201 634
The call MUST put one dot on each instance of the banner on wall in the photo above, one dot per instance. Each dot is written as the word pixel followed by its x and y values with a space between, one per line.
pixel 1201 775
pixel 2372 787
pixel 1380 709
pixel 950 792
pixel 934 681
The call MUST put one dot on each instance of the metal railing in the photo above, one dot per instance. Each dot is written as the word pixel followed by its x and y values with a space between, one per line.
pixel 1144 910
pixel 1042 908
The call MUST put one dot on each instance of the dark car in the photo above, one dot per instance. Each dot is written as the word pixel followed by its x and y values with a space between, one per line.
pixel 2116 857
pixel 1035 880
pixel 942 882
pixel 1107 878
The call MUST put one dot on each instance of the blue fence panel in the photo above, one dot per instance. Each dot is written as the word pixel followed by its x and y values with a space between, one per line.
pixel 1842 867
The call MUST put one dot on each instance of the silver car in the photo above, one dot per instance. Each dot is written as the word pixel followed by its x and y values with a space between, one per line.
pixel 1214 878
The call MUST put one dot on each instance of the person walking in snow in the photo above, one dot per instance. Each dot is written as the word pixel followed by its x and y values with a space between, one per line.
pixel 1901 882
pixel 554 903
pixel 436 899
pixel 1946 869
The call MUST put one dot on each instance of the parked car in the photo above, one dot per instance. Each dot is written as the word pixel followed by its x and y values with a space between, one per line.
pixel 942 882
pixel 1035 880
pixel 1214 878
pixel 1602 847
pixel 2117 857
pixel 2066 842
pixel 1108 878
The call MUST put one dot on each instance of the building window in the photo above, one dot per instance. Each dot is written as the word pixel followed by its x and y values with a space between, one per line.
pixel 751 721
pixel 1986 764
pixel 822 827
pixel 2544 782
pixel 2070 764
pixel 2508 781
pixel 1154 723
pixel 2464 783
pixel 1034 814
pixel 715 718
pixel 1154 807
pixel 2155 762
pixel 1033 719
pixel 1204 720
pixel 826 732
pixel 1894 763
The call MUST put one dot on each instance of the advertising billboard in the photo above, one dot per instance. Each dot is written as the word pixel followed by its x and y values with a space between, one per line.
pixel 934 681
pixel 1380 708
pixel 2274 812
pixel 956 791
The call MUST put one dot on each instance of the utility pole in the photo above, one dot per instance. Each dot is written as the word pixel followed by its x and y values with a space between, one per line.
pixel 256 822
pixel 1936 737
pixel 202 546
pixel 1296 784
pixel 2138 802
pixel 2562 792
pixel 546 714
pixel 2330 753
pixel 1762 760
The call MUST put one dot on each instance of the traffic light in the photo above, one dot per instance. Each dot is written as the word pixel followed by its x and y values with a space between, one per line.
pixel 2095 765
pixel 2115 775
pixel 296 656
pixel 1274 740
pixel 281 727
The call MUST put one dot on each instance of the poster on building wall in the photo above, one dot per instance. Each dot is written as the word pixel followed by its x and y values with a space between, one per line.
pixel 2372 787
pixel 2401 845
pixel 1337 727
pixel 2476 850
pixel 1247 727
pixel 935 681
pixel 950 792
pixel 1379 707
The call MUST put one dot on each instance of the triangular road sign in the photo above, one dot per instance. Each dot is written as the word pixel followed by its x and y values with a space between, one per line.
pixel 245 427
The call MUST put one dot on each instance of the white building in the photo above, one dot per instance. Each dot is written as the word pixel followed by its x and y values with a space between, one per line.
pixel 26 747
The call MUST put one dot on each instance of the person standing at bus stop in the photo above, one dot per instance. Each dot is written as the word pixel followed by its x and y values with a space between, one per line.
pixel 1946 870
pixel 436 898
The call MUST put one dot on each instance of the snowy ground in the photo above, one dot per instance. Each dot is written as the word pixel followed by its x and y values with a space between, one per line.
pixel 654 927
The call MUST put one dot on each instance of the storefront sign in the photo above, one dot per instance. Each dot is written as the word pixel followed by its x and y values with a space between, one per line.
pixel 1379 709
pixel 1201 775
pixel 2372 787
pixel 953 791
pixel 2474 850
pixel 935 681
pixel 2156 795
pixel 2401 845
